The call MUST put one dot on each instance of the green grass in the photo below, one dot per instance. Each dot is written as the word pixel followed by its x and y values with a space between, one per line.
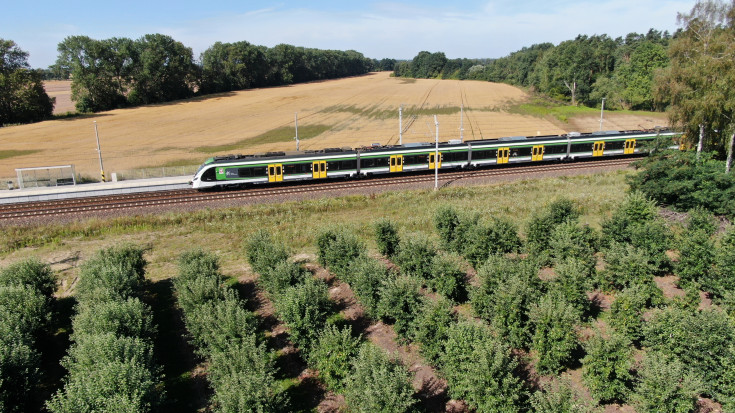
pixel 283 134
pixel 10 153
pixel 297 223
pixel 542 109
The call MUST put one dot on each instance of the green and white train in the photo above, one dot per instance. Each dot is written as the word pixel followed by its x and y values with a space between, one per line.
pixel 377 160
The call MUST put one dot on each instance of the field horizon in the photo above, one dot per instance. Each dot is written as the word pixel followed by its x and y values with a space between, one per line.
pixel 355 111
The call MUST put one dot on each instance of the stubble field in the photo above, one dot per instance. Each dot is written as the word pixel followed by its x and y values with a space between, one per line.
pixel 350 112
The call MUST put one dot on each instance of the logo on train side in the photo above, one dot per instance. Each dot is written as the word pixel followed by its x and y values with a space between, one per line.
pixel 221 171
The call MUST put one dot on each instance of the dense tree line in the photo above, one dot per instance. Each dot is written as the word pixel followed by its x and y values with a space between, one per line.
pixel 582 70
pixel 117 72
pixel 22 97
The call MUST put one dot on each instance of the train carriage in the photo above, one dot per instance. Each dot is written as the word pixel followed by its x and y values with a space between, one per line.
pixel 377 160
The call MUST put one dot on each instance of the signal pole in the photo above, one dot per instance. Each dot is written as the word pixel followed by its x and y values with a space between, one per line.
pixel 461 122
pixel 436 156
pixel 400 125
pixel 602 111
pixel 296 125
pixel 99 152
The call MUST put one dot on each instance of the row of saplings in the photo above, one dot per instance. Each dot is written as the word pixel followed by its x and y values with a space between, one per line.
pixel 687 352
pixel 530 305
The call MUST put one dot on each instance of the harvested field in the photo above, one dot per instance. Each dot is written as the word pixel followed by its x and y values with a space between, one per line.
pixel 351 112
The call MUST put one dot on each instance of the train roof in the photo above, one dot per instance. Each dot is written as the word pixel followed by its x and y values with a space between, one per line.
pixel 418 145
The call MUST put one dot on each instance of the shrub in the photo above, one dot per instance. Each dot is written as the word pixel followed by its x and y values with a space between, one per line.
pixel 264 253
pixel 665 385
pixel 30 272
pixel 446 221
pixel 415 256
pixel 400 302
pixel 23 313
pixel 571 285
pixel 92 350
pixel 723 275
pixel 19 373
pixel 194 291
pixel 626 312
pixel 378 384
pixel 338 249
pixel 285 274
pixel 332 355
pixel 571 240
pixel 685 179
pixel 560 397
pixel 701 219
pixel 432 328
pixel 123 318
pixel 542 223
pixel 625 265
pixel 507 290
pixel 606 367
pixel 447 278
pixel 366 278
pixel 197 263
pixel 636 222
pixel 480 370
pixel 242 376
pixel 655 238
pixel 116 272
pixel 215 324
pixel 304 308
pixel 696 256
pixel 118 386
pixel 554 338
pixel 699 339
pixel 481 240
pixel 386 236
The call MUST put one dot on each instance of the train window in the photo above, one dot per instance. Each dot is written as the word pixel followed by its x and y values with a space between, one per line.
pixel 526 151
pixel 250 172
pixel 209 175
pixel 614 145
pixel 341 165
pixel 484 154
pixel 555 149
pixel 582 147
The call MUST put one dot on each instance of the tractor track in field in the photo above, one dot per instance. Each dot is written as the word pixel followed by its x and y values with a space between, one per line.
pixel 189 199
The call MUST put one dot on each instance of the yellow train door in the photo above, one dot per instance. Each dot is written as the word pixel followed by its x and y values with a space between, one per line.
pixel 629 146
pixel 396 163
pixel 319 169
pixel 275 172
pixel 598 148
pixel 503 155
pixel 432 160
pixel 537 153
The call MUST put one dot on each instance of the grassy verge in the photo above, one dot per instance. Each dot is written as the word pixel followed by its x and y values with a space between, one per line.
pixel 542 109
pixel 297 223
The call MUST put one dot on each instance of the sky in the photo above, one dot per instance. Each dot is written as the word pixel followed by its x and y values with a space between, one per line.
pixel 396 29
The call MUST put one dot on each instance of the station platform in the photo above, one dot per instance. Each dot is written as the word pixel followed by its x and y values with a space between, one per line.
pixel 96 189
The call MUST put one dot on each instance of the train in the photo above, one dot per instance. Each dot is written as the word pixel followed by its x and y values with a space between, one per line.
pixel 386 160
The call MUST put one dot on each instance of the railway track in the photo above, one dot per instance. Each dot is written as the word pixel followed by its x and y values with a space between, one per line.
pixel 190 196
